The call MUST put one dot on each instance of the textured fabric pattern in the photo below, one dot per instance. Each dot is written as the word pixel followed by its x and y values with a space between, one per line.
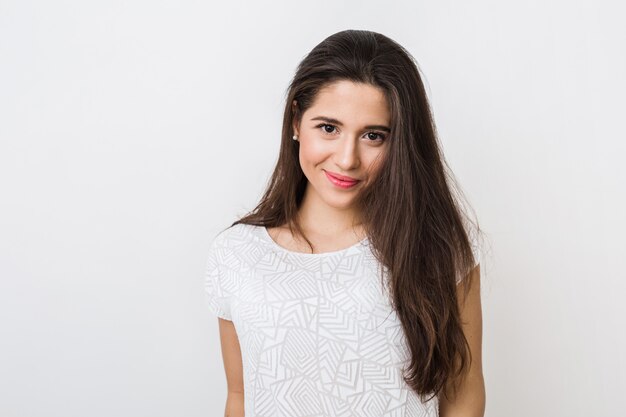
pixel 317 333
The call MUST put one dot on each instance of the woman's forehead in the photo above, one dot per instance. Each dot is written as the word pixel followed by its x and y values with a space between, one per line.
pixel 354 102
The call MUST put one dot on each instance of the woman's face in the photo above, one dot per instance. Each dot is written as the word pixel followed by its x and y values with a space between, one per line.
pixel 343 133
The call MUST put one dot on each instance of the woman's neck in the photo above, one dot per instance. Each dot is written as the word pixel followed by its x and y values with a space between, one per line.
pixel 316 217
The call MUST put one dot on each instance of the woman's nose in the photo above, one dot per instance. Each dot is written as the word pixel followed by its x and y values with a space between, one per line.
pixel 347 154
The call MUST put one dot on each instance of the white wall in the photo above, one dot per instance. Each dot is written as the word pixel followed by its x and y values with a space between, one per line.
pixel 131 132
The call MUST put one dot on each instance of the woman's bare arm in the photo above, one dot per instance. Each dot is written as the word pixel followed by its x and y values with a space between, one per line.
pixel 471 398
pixel 231 354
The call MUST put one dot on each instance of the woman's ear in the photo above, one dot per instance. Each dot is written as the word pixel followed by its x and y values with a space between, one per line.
pixel 296 117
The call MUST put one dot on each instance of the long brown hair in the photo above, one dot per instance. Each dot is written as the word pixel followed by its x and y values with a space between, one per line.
pixel 411 211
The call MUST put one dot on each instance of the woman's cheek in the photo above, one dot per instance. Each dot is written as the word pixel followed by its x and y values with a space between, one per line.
pixel 315 149
pixel 373 161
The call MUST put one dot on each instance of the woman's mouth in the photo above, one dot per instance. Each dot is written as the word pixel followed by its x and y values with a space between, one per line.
pixel 343 182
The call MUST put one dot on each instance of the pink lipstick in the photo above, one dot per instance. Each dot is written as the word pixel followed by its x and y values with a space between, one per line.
pixel 341 180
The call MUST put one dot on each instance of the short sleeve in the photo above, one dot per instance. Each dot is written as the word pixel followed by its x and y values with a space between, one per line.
pixel 216 284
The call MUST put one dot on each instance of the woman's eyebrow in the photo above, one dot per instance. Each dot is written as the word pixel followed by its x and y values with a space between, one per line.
pixel 338 123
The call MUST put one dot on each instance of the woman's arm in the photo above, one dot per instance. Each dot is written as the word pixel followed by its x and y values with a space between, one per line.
pixel 470 399
pixel 231 354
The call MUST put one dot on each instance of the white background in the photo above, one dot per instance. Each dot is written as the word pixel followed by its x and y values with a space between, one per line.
pixel 131 132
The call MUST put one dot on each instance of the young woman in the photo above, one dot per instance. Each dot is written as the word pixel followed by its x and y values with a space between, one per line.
pixel 352 289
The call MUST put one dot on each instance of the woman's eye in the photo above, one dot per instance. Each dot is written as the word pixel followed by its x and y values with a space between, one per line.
pixel 324 126
pixel 327 128
pixel 376 136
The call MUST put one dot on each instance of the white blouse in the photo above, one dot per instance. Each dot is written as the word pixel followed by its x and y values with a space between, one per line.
pixel 317 332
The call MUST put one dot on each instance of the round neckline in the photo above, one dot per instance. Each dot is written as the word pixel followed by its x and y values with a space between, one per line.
pixel 272 242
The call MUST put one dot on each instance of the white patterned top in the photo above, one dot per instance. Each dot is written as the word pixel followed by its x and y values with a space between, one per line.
pixel 317 332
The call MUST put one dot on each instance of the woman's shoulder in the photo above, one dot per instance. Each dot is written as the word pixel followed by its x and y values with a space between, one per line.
pixel 235 235
pixel 235 247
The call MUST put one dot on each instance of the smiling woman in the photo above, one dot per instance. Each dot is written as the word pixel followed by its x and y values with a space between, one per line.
pixel 343 153
pixel 353 287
